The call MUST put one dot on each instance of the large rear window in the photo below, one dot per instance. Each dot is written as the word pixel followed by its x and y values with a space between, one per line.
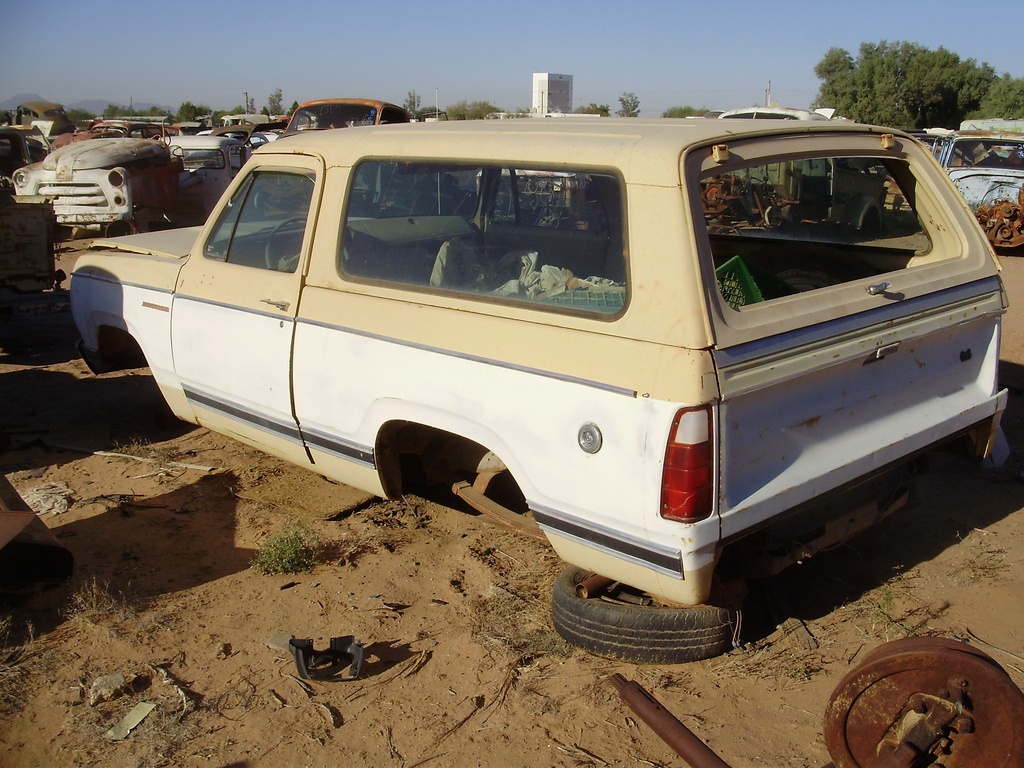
pixel 790 226
pixel 553 239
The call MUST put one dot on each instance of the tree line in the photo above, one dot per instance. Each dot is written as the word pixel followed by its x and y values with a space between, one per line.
pixel 899 84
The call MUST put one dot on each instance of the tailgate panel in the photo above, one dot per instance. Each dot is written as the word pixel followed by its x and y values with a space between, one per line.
pixel 807 413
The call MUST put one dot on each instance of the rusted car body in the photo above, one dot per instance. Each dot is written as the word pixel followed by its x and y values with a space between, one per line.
pixel 19 147
pixel 117 129
pixel 28 235
pixel 324 114
pixel 110 186
pixel 48 116
pixel 988 169
pixel 209 164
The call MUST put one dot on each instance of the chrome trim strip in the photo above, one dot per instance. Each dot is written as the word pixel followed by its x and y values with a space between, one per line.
pixel 235 307
pixel 879 316
pixel 115 281
pixel 472 358
pixel 338 447
pixel 666 560
pixel 313 438
pixel 287 431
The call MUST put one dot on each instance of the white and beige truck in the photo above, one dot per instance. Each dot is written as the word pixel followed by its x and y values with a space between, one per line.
pixel 665 346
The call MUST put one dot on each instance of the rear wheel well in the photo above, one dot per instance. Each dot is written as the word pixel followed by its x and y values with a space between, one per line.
pixel 414 457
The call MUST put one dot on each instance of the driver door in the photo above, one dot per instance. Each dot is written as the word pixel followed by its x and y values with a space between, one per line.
pixel 233 313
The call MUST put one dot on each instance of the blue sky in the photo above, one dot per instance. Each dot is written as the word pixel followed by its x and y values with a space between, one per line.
pixel 715 55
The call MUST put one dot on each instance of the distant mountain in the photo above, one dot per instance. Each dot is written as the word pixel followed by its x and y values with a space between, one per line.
pixel 13 102
pixel 95 106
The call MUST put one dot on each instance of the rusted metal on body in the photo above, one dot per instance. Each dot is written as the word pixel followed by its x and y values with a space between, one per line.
pixel 475 496
pixel 1003 222
pixel 592 586
pixel 926 701
pixel 685 743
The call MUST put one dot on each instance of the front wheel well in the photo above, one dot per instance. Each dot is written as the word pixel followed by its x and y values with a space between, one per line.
pixel 118 350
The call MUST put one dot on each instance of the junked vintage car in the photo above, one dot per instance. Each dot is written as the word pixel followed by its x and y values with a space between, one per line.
pixel 324 114
pixel 564 325
pixel 19 146
pixel 209 163
pixel 118 129
pixel 988 169
pixel 106 186
pixel 48 116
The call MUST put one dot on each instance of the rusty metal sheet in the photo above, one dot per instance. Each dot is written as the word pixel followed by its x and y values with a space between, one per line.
pixel 30 555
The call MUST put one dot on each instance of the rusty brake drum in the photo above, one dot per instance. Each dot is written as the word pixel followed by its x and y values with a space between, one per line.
pixel 926 701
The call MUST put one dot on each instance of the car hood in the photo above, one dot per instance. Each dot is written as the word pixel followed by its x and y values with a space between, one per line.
pixel 985 186
pixel 103 153
pixel 173 243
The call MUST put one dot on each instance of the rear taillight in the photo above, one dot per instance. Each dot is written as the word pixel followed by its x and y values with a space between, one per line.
pixel 687 482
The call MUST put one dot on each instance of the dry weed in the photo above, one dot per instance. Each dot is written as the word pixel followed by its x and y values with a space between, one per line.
pixel 515 612
pixel 985 561
pixel 94 603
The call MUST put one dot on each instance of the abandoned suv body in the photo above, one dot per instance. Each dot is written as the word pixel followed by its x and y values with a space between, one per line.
pixel 654 342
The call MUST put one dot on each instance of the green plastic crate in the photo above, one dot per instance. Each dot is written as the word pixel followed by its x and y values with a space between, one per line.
pixel 598 301
pixel 740 284
pixel 737 284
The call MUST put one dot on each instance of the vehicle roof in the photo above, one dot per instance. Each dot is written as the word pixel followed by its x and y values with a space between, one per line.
pixel 203 142
pixel 998 135
pixel 367 102
pixel 782 112
pixel 604 142
pixel 41 105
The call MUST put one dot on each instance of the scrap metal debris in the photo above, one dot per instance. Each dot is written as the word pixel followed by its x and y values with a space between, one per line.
pixel 130 721
pixel 30 555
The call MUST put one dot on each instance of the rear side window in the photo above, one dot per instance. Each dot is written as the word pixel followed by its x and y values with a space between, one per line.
pixel 786 227
pixel 553 239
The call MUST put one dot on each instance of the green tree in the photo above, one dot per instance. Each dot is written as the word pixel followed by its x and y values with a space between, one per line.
pixel 470 110
pixel 412 103
pixel 114 111
pixel 686 111
pixel 629 105
pixel 293 107
pixel 594 109
pixel 80 116
pixel 189 112
pixel 902 84
pixel 1004 99
pixel 274 103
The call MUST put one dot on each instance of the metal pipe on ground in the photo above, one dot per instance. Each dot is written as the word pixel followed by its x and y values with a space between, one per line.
pixel 685 743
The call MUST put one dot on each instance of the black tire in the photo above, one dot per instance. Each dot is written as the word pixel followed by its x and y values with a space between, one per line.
pixel 649 634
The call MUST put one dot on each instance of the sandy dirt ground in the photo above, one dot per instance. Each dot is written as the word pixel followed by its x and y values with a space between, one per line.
pixel 462 666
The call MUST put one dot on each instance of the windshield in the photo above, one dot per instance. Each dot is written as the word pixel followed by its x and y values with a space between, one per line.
pixel 988 153
pixel 203 158
pixel 323 116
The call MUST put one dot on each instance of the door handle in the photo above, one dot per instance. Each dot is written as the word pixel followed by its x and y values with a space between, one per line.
pixel 878 288
pixel 883 351
pixel 282 305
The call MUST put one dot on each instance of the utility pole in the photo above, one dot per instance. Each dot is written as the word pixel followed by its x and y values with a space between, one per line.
pixel 245 104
